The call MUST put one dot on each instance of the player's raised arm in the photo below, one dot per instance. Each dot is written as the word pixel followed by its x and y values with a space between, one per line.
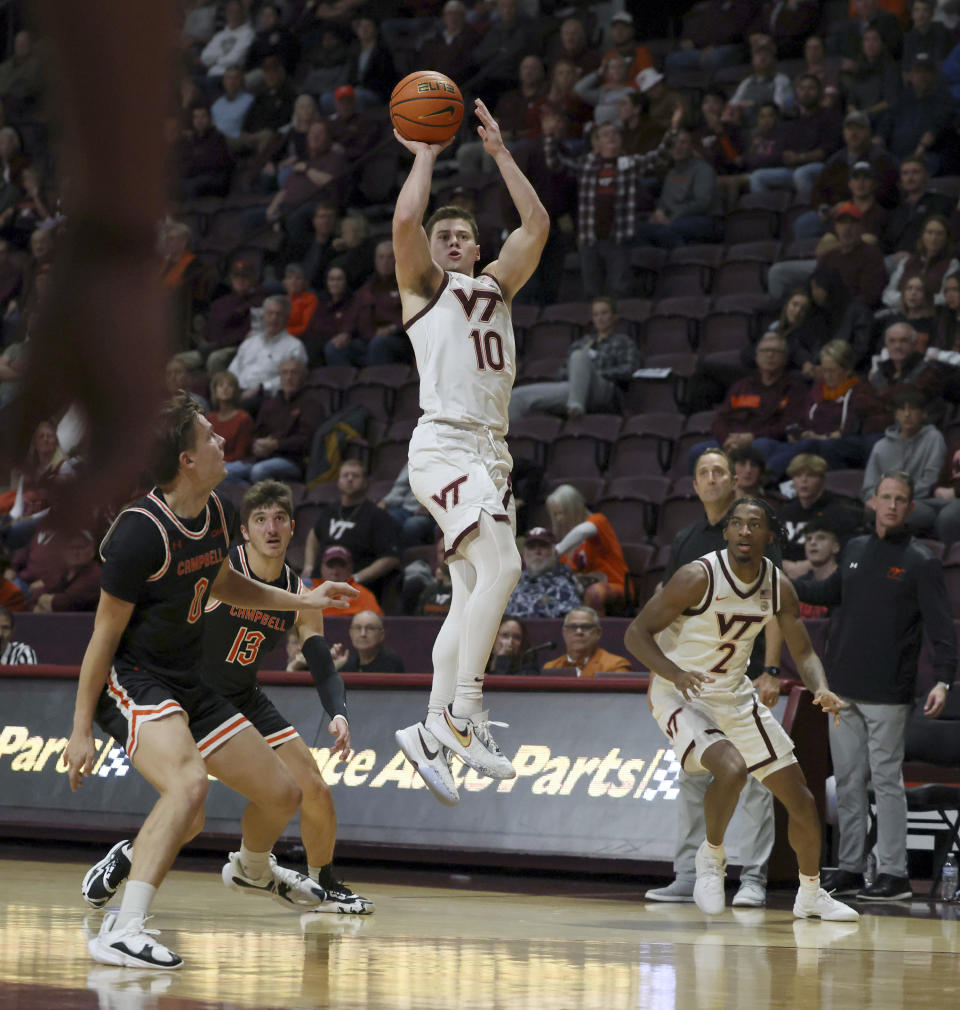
pixel 417 272
pixel 520 254
pixel 239 591
pixel 806 660
pixel 683 591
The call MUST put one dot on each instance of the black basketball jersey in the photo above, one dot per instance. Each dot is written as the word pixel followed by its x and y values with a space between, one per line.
pixel 165 566
pixel 236 639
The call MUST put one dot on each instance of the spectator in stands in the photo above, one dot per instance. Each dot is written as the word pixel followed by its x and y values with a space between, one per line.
pixel 759 408
pixel 546 587
pixel 416 524
pixel 355 522
pixel 789 24
pixel 665 107
pixel 912 446
pixel 872 85
pixel 354 134
pixel 606 87
pixel 379 317
pixel 11 367
pixel 229 319
pixel 721 143
pixel 924 112
pixel 840 415
pixel 808 140
pixel 825 68
pixel 571 43
pixel 763 152
pixel 510 36
pixel 336 565
pixel 598 366
pixel 321 251
pixel 450 49
pixel 13 653
pixel 272 39
pixel 258 359
pixel 367 654
pixel 287 146
pixel 205 159
pixel 331 335
pixel 437 593
pixel 588 545
pixel 22 79
pixel 182 274
pixel 177 376
pixel 231 108
pixel 561 98
pixel 623 42
pixel 947 335
pixel 511 652
pixel 764 84
pixel 945 498
pixel 848 42
pixel 859 263
pixel 11 597
pixel 355 249
pixel 323 172
pixel 933 261
pixel 78 586
pixel 271 108
pixel 581 639
pixel 687 207
pixel 230 422
pixel 749 472
pixel 915 306
pixel 712 36
pixel 813 502
pixel 900 364
pixel 906 221
pixel 803 327
pixel 303 303
pixel 284 430
pixel 926 35
pixel 229 46
pixel 821 547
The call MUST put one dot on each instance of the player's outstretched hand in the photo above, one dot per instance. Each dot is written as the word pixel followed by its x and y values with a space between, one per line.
pixel 79 756
pixel 416 146
pixel 690 684
pixel 338 727
pixel 488 130
pixel 830 703
pixel 329 594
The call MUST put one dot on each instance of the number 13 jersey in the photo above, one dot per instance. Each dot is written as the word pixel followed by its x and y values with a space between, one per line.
pixel 466 353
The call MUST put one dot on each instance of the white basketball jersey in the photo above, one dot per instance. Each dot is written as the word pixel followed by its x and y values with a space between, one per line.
pixel 717 635
pixel 466 354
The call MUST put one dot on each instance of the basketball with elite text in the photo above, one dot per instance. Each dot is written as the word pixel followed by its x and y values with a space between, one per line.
pixel 426 106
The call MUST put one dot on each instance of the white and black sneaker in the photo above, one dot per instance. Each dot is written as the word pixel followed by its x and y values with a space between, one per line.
pixel 431 759
pixel 341 897
pixel 470 738
pixel 102 879
pixel 289 888
pixel 134 946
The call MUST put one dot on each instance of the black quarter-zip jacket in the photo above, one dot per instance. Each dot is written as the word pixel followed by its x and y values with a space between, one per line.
pixel 889 590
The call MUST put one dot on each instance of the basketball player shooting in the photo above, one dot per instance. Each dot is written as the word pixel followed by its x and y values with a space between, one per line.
pixel 462 335
pixel 705 622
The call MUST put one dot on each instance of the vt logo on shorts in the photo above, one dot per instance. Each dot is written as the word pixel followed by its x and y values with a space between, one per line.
pixel 453 488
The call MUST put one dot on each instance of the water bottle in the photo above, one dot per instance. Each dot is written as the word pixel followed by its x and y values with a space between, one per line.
pixel 870 872
pixel 948 880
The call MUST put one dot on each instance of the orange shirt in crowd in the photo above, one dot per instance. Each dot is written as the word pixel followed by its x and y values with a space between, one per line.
pixel 365 601
pixel 601 553
pixel 302 307
pixel 600 661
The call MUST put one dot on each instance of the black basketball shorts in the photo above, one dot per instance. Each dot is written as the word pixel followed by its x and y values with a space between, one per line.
pixel 264 716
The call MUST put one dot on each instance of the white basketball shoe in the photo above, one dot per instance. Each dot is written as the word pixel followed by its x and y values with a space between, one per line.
pixel 820 905
pixel 285 886
pixel 431 759
pixel 471 739
pixel 711 874
pixel 134 946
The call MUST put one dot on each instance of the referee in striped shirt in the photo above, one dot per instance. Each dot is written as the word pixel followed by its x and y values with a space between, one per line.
pixel 13 653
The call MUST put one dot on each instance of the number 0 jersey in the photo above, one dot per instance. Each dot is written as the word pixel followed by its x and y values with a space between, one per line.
pixel 716 636
pixel 466 354
pixel 165 566
pixel 236 639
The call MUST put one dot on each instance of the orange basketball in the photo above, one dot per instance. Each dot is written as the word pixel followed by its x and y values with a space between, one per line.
pixel 426 106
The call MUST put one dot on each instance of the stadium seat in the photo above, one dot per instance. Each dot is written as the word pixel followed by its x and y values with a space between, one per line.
pixel 668 335
pixel 635 454
pixel 682 279
pixel 580 313
pixel 725 331
pixel 549 339
pixel 750 225
pixel 710 256
pixel 675 514
pixel 845 482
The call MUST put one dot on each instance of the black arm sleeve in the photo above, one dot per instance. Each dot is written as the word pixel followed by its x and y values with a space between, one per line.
pixel 330 686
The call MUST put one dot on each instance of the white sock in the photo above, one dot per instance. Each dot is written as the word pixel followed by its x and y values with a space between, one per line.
pixel 717 852
pixel 256 865
pixel 809 885
pixel 135 904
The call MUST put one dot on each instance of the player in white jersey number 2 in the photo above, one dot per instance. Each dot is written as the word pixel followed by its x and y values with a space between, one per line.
pixel 696 636
pixel 462 336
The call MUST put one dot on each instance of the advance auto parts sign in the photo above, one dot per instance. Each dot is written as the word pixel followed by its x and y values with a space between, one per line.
pixel 594 775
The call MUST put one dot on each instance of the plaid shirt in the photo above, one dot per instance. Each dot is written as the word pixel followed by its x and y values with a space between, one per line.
pixel 630 171
pixel 616 358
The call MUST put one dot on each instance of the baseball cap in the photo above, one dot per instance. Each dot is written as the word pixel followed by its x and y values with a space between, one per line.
pixel 647 78
pixel 622 17
pixel 863 168
pixel 849 210
pixel 856 119
pixel 540 534
pixel 344 91
pixel 337 553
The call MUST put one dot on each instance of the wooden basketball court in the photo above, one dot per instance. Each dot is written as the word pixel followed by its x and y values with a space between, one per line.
pixel 446 941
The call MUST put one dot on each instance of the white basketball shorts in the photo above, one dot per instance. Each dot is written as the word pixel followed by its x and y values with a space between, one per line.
pixel 457 473
pixel 692 726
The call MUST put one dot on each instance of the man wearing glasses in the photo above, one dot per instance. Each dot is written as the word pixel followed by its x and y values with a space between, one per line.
pixel 367 653
pixel 581 636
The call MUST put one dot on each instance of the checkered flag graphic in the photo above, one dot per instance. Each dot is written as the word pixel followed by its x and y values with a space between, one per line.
pixel 115 764
pixel 665 777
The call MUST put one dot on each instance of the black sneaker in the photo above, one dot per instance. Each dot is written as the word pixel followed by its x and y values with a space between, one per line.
pixel 841 881
pixel 102 880
pixel 341 898
pixel 887 887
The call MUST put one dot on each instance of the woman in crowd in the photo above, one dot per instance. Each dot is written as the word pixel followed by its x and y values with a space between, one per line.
pixel 915 306
pixel 587 543
pixel 846 318
pixel 511 650
pixel 605 88
pixel 932 261
pixel 231 423
pixel 289 146
pixel 873 84
pixel 331 335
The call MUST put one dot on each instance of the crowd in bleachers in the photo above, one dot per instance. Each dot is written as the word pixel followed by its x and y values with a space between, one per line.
pixel 753 244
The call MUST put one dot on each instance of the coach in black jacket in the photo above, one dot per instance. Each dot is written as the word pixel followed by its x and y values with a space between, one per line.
pixel 891 588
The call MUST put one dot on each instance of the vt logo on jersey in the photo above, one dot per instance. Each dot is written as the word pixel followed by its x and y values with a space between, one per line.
pixel 340 526
pixel 453 488
pixel 469 302
pixel 725 623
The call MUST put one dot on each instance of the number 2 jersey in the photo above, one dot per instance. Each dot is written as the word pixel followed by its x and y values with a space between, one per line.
pixel 165 565
pixel 236 639
pixel 466 353
pixel 716 636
